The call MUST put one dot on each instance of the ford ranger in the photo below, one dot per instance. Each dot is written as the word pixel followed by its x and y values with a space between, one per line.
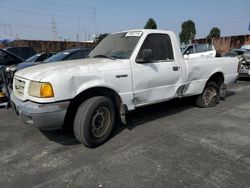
pixel 127 70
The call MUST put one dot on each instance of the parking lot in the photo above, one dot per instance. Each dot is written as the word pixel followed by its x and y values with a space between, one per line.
pixel 172 144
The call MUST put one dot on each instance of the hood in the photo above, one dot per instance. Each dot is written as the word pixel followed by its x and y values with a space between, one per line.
pixel 73 67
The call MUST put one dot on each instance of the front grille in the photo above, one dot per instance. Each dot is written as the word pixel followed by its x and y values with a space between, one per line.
pixel 19 87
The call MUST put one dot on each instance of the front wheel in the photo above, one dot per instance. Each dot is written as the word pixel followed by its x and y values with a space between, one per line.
pixel 209 97
pixel 94 121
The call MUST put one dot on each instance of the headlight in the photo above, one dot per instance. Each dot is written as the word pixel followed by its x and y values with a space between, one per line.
pixel 40 89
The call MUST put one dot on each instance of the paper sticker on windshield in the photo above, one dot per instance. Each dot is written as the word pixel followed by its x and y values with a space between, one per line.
pixel 66 53
pixel 133 34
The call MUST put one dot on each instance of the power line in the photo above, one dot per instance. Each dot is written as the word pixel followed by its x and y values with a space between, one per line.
pixel 43 14
pixel 43 30
pixel 224 19
pixel 224 22
pixel 63 4
pixel 53 9
pixel 91 17
pixel 27 26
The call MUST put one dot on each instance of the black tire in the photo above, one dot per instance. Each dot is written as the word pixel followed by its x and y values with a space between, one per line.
pixel 209 97
pixel 94 121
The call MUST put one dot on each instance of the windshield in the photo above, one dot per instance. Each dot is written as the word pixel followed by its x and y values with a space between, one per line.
pixel 58 57
pixel 118 46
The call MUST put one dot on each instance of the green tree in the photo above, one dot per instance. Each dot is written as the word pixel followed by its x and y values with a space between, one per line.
pixel 100 38
pixel 151 24
pixel 214 32
pixel 188 31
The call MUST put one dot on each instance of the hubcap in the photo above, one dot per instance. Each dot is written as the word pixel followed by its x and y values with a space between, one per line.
pixel 209 94
pixel 100 122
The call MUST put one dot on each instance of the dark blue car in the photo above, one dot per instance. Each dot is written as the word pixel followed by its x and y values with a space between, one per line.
pixel 71 54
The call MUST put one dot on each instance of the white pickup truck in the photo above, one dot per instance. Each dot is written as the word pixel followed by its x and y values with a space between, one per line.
pixel 127 70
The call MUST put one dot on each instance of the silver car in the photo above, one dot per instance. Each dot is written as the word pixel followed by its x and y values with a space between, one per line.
pixel 244 65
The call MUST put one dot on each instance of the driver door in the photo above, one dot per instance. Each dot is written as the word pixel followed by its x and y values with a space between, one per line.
pixel 158 77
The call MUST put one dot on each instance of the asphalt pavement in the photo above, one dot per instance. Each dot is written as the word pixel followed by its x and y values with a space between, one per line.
pixel 172 144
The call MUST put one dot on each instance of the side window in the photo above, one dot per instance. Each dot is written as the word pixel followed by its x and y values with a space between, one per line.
pixel 72 56
pixel 161 47
pixel 41 57
pixel 78 55
pixel 83 54
pixel 201 48
pixel 191 49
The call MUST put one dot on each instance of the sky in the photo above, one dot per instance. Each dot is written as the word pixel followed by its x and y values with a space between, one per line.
pixel 83 19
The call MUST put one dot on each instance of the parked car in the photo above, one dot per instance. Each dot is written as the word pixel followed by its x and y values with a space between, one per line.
pixel 183 47
pixel 125 71
pixel 243 54
pixel 71 54
pixel 199 50
pixel 244 65
pixel 7 58
pixel 40 57
pixel 24 51
pixel 2 87
pixel 245 47
pixel 236 52
pixel 10 70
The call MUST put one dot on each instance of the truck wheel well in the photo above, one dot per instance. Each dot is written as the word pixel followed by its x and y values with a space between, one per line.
pixel 76 102
pixel 218 78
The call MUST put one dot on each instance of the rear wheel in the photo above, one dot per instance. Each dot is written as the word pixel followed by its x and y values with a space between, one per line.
pixel 209 97
pixel 94 121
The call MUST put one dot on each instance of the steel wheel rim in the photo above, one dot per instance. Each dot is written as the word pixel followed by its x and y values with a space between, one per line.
pixel 209 94
pixel 100 122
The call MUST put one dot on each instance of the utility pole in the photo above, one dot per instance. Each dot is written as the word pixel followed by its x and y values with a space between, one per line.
pixel 83 32
pixel 6 30
pixel 54 30
pixel 79 30
pixel 94 19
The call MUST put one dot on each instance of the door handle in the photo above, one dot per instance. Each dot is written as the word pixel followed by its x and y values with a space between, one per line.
pixel 176 68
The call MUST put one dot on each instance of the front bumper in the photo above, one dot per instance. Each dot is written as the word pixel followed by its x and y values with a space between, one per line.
pixel 244 73
pixel 44 116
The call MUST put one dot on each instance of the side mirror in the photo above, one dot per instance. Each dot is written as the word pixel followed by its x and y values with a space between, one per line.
pixel 147 56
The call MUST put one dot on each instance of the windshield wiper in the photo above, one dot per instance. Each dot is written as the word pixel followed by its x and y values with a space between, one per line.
pixel 104 56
